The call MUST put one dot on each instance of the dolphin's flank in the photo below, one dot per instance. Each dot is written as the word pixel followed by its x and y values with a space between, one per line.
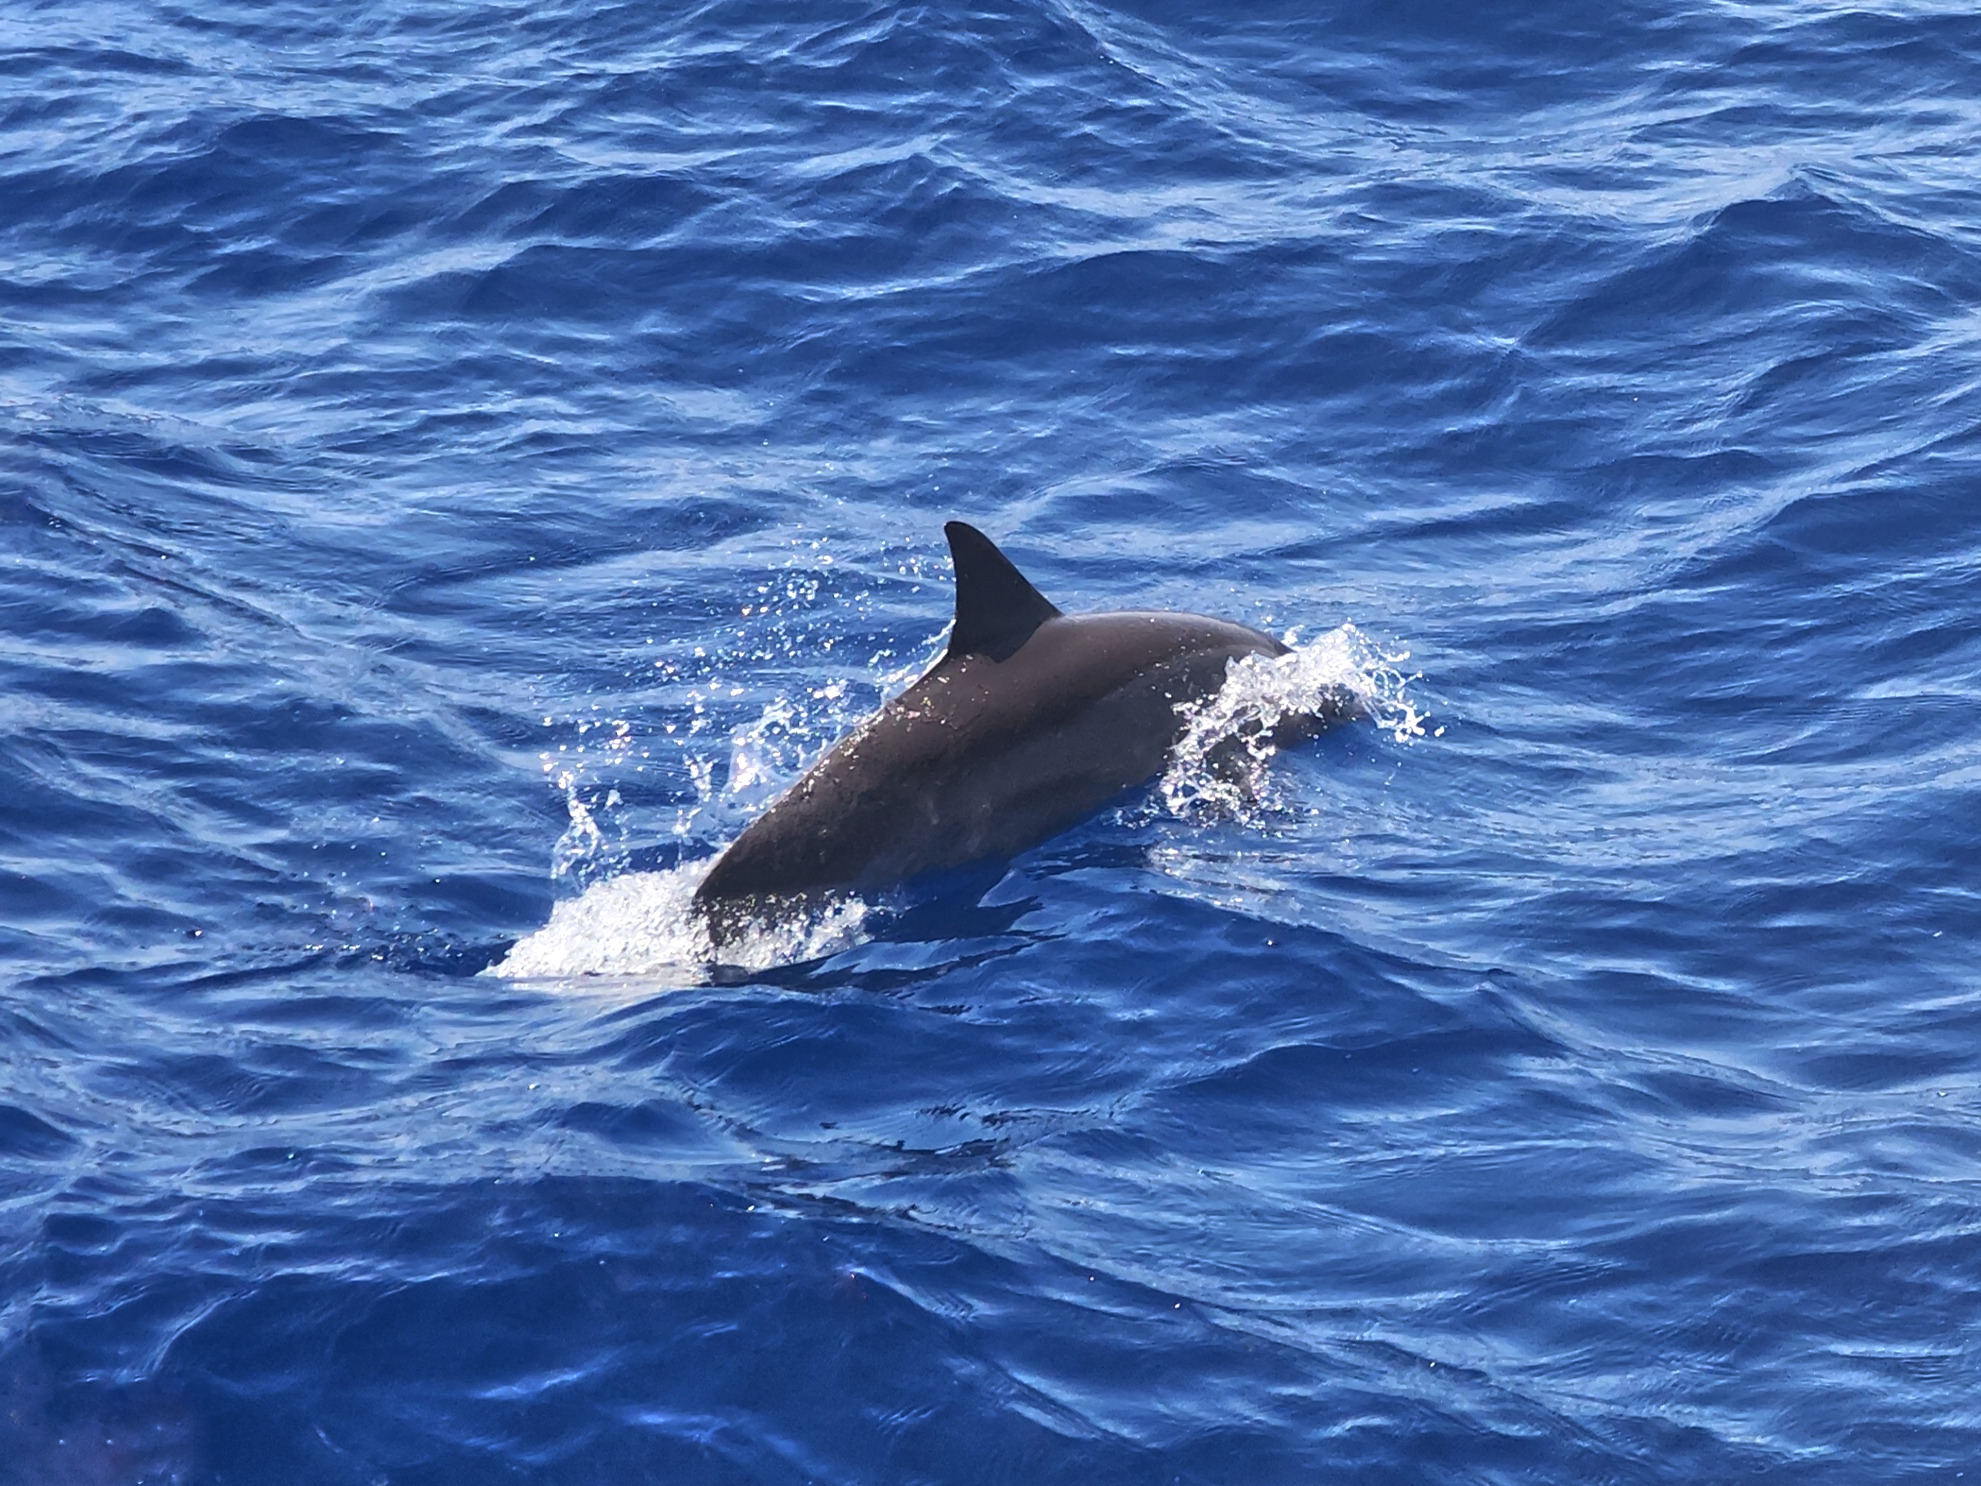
pixel 1031 720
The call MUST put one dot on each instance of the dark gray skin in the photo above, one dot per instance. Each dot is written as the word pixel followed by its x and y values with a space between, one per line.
pixel 1031 722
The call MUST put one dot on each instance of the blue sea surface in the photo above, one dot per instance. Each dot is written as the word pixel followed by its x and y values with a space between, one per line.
pixel 459 460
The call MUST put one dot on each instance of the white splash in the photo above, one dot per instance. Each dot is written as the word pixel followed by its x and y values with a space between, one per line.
pixel 582 840
pixel 764 752
pixel 1219 767
pixel 643 924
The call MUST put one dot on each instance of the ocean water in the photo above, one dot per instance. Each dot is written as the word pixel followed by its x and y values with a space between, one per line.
pixel 458 461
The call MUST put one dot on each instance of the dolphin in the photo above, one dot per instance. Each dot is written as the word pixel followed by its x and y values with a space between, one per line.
pixel 1030 721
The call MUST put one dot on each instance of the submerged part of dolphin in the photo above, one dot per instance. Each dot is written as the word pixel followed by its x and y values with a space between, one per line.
pixel 1032 720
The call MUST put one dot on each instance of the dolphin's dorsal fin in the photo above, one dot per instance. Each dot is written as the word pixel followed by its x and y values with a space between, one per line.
pixel 996 608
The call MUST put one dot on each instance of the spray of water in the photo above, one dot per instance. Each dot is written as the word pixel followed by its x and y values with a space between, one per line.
pixel 643 924
pixel 1219 769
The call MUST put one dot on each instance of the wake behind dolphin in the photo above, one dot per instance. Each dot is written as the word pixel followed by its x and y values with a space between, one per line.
pixel 1030 721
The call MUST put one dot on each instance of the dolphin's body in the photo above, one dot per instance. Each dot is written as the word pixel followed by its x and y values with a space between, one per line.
pixel 1031 720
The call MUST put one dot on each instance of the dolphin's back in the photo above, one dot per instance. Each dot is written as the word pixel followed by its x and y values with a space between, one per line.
pixel 985 758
